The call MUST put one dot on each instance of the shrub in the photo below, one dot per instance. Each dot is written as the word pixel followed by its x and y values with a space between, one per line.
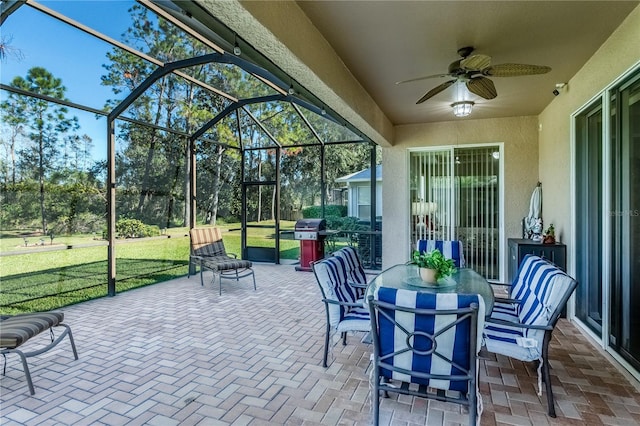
pixel 134 228
pixel 329 210
pixel 344 223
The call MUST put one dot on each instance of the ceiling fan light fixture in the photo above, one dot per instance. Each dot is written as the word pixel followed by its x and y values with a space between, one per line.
pixel 462 108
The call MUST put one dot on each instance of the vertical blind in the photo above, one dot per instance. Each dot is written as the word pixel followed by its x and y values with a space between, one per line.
pixel 454 195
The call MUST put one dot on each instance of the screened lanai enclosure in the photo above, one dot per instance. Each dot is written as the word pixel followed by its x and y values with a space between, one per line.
pixel 125 124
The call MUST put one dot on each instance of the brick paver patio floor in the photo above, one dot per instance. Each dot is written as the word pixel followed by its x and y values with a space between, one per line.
pixel 177 353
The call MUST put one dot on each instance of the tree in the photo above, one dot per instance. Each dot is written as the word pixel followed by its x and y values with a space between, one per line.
pixel 44 123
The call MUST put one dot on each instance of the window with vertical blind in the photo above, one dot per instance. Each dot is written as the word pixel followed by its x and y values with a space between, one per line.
pixel 455 195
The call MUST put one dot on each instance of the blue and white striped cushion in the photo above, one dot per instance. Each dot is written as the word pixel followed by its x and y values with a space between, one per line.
pixel 355 271
pixel 453 344
pixel 506 312
pixel 535 308
pixel 331 274
pixel 337 273
pixel 540 286
pixel 525 274
pixel 450 249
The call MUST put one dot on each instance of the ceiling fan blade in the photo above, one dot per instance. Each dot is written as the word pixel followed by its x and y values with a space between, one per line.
pixel 475 62
pixel 482 87
pixel 431 93
pixel 423 78
pixel 515 70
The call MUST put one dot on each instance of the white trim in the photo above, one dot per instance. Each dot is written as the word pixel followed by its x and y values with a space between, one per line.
pixel 502 246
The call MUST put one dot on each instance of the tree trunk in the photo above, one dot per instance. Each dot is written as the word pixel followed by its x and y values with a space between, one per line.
pixel 215 196
pixel 41 178
pixel 259 189
pixel 145 190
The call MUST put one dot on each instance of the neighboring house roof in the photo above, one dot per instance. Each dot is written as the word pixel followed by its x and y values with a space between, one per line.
pixel 362 175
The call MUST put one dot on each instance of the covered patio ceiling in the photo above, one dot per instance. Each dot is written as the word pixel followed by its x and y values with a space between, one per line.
pixel 352 53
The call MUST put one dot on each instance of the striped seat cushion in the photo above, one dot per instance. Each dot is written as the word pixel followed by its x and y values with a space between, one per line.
pixel 15 330
pixel 355 319
pixel 451 344
pixel 450 249
pixel 225 263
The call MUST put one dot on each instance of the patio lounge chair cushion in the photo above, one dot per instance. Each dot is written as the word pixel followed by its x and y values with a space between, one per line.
pixel 15 330
pixel 224 263
pixel 450 250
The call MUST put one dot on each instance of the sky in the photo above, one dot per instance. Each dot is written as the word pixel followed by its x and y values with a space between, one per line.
pixel 68 53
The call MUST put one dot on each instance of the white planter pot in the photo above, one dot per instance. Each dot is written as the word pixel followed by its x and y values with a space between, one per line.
pixel 428 275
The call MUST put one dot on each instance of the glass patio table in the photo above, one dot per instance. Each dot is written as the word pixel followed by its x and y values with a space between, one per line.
pixel 405 276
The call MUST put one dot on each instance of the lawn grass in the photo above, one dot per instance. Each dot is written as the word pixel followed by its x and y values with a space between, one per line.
pixel 39 278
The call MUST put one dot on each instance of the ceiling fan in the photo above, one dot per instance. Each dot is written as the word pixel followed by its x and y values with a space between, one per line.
pixel 473 69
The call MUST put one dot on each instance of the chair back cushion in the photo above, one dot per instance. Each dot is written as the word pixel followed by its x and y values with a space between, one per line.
pixel 331 275
pixel 432 343
pixel 450 249
pixel 523 276
pixel 544 290
pixel 207 242
pixel 355 271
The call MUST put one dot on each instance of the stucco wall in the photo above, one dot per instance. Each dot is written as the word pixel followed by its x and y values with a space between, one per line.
pixel 520 138
pixel 617 55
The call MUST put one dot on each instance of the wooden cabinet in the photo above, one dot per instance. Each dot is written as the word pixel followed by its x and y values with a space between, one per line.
pixel 518 248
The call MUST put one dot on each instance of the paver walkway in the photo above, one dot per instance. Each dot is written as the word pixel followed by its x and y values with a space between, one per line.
pixel 177 353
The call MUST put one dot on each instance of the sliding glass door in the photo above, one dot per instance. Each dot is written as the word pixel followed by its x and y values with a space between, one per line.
pixel 625 221
pixel 607 159
pixel 455 195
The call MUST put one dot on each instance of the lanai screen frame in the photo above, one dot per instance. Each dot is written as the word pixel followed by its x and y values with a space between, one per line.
pixel 212 33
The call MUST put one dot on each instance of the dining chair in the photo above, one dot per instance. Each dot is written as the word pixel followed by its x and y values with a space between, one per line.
pixel 426 344
pixel 451 249
pixel 208 251
pixel 345 311
pixel 521 325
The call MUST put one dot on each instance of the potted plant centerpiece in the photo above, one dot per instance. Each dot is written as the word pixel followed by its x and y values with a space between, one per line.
pixel 433 265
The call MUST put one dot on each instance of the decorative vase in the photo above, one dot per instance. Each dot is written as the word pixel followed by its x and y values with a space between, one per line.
pixel 428 275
